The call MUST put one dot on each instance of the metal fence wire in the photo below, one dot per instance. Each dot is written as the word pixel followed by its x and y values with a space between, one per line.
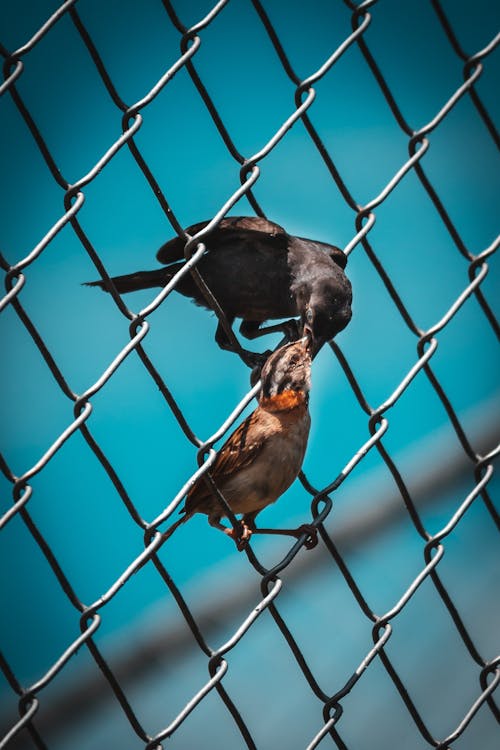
pixel 332 703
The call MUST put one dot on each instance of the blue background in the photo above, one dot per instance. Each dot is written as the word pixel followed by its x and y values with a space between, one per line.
pixel 74 502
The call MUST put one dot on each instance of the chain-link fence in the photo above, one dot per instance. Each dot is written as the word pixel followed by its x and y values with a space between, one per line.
pixel 234 605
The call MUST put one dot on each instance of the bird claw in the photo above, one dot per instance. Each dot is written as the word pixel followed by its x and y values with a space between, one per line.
pixel 257 363
pixel 241 536
pixel 254 359
pixel 291 329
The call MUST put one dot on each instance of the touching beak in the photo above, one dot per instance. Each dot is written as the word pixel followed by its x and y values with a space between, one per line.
pixel 313 344
pixel 308 338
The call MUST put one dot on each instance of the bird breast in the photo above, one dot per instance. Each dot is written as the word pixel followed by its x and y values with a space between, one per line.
pixel 277 464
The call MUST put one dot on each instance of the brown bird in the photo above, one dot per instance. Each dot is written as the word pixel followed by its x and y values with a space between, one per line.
pixel 263 456
pixel 258 272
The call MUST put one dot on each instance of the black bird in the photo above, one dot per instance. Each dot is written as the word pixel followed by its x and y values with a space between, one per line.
pixel 258 272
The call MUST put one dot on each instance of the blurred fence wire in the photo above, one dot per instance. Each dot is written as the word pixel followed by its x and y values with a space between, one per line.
pixel 331 704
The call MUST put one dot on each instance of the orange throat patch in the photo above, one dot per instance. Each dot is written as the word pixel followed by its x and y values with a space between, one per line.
pixel 284 401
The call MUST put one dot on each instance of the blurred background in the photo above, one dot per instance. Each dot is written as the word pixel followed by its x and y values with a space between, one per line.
pixel 75 506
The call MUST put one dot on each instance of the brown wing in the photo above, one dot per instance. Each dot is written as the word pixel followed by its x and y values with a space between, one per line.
pixel 228 230
pixel 239 451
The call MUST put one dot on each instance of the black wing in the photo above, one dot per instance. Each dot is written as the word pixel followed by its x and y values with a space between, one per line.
pixel 336 254
pixel 229 230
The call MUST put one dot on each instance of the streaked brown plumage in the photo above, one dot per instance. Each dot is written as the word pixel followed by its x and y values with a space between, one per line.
pixel 263 456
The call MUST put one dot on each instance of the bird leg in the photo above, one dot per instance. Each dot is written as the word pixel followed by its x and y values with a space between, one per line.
pixel 251 329
pixel 251 359
pixel 311 541
pixel 240 535
pixel 246 527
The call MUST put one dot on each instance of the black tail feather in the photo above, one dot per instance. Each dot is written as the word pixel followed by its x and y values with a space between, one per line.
pixel 132 282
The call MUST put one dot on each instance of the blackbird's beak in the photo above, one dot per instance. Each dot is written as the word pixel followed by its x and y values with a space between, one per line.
pixel 313 343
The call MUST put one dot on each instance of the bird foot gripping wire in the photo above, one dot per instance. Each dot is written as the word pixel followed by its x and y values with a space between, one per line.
pixel 242 535
pixel 308 529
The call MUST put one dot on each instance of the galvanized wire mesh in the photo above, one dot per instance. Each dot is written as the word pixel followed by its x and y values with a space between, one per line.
pixel 16 273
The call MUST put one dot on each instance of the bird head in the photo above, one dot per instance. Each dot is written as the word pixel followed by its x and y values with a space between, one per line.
pixel 286 375
pixel 327 311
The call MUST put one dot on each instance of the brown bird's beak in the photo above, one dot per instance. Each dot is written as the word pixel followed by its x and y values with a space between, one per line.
pixel 308 338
